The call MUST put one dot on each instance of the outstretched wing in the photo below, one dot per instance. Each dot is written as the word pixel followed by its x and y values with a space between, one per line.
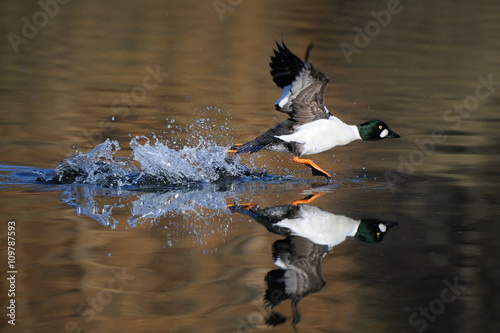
pixel 303 85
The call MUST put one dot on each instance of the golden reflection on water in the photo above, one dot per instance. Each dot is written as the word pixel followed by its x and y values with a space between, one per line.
pixel 73 85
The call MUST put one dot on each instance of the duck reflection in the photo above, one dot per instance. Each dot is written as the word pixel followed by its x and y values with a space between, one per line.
pixel 311 233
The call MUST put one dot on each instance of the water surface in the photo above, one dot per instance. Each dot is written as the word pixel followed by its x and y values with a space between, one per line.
pixel 144 241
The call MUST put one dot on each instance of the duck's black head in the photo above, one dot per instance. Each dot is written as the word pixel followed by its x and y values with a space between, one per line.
pixel 375 130
pixel 373 230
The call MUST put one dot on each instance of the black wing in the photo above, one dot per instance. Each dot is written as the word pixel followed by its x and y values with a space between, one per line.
pixel 303 85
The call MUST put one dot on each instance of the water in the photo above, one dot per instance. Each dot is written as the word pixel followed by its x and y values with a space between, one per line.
pixel 130 214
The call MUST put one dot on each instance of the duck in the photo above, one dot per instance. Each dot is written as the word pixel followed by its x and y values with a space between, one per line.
pixel 310 128
pixel 319 226
pixel 311 233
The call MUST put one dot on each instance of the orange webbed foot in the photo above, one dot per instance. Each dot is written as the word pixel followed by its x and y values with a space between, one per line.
pixel 316 170
pixel 243 206
pixel 308 199
pixel 233 148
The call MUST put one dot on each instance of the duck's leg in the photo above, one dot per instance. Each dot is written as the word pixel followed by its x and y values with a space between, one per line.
pixel 246 205
pixel 234 148
pixel 249 208
pixel 308 199
pixel 316 170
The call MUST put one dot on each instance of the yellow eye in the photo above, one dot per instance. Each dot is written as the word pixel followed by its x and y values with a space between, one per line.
pixel 379 126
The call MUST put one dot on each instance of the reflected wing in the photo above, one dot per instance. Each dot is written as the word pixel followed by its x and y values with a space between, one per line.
pixel 303 85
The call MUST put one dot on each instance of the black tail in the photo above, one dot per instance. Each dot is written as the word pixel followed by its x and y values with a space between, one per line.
pixel 268 139
pixel 249 147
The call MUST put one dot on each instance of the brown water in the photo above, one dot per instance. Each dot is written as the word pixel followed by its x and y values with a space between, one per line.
pixel 93 258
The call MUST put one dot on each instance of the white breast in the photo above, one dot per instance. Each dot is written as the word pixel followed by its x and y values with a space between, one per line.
pixel 321 227
pixel 321 135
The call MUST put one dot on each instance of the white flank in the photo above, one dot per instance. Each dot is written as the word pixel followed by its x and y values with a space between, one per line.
pixel 323 134
pixel 321 227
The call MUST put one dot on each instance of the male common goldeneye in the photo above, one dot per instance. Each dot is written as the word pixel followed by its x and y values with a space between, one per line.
pixel 311 129
pixel 311 233
pixel 319 226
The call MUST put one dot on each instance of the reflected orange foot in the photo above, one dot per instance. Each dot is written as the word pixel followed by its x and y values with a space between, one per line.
pixel 316 170
pixel 308 199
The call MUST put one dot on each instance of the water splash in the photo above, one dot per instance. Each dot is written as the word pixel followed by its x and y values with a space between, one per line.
pixel 98 166
pixel 108 206
pixel 187 165
pixel 192 177
pixel 159 166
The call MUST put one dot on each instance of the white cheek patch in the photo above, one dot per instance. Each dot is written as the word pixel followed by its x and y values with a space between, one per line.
pixel 384 133
pixel 381 226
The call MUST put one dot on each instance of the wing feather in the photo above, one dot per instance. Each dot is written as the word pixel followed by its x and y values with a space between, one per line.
pixel 303 85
